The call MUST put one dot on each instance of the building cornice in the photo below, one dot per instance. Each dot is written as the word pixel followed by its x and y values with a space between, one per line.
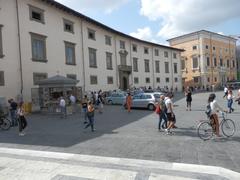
pixel 90 20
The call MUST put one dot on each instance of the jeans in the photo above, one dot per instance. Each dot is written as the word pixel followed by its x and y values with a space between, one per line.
pixel 85 113
pixel 162 120
pixel 13 114
pixel 90 123
pixel 63 111
pixel 230 102
pixel 22 123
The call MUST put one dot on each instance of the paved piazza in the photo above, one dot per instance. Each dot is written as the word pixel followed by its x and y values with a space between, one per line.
pixel 125 146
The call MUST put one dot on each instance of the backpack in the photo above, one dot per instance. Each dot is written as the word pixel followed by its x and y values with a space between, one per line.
pixel 208 110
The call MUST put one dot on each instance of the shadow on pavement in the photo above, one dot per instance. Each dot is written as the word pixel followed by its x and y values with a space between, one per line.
pixel 51 130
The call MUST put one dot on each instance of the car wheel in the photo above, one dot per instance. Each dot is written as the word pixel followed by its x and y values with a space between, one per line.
pixel 151 107
pixel 110 102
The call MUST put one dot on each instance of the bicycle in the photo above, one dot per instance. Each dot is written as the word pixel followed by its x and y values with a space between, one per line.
pixel 5 123
pixel 206 128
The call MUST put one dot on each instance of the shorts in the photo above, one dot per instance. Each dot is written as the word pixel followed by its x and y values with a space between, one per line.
pixel 170 118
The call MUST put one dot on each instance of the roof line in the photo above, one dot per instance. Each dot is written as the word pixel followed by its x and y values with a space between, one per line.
pixel 86 18
pixel 196 32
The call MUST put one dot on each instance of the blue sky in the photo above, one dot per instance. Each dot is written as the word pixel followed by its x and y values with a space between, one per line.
pixel 159 20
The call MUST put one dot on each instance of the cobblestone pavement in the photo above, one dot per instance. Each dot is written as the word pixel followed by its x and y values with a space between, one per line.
pixel 132 135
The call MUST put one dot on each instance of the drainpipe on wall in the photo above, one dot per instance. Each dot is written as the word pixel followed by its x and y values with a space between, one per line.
pixel 84 75
pixel 131 63
pixel 19 49
pixel 172 68
pixel 117 72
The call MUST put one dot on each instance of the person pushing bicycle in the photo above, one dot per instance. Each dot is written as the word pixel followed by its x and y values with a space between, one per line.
pixel 214 110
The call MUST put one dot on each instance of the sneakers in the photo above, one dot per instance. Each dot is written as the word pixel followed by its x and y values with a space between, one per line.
pixel 21 134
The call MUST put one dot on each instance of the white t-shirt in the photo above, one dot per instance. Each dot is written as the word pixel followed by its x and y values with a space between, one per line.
pixel 62 103
pixel 215 107
pixel 168 103
pixel 225 89
pixel 72 99
pixel 230 96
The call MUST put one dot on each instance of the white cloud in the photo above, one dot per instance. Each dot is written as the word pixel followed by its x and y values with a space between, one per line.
pixel 106 6
pixel 144 34
pixel 178 17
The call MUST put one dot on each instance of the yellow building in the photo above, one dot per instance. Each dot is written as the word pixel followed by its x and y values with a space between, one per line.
pixel 209 58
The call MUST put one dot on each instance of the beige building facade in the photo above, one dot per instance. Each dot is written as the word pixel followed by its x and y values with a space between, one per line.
pixel 209 58
pixel 42 38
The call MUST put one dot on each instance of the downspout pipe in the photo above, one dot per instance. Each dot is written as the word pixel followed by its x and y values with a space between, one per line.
pixel 19 49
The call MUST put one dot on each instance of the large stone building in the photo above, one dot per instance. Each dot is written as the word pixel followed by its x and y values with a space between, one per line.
pixel 209 58
pixel 43 38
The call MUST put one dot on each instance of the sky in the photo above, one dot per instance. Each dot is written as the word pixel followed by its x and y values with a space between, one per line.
pixel 159 20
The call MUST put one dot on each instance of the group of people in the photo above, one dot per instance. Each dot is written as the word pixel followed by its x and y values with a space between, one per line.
pixel 17 115
pixel 228 94
pixel 164 108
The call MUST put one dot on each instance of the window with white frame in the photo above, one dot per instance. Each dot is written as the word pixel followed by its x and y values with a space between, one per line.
pixel 183 65
pixel 135 64
pixel 221 62
pixel 208 61
pixel 38 47
pixel 157 66
pixel 93 80
pixel 228 63
pixel 175 68
pixel 194 62
pixel 92 57
pixel 109 60
pixel 70 53
pixel 156 52
pixel 136 80
pixel 110 80
pixel 147 80
pixel 134 48
pixel 158 79
pixel 2 80
pixel 36 14
pixel 176 79
pixel 122 44
pixel 108 40
pixel 91 34
pixel 165 54
pixel 68 26
pixel 146 50
pixel 215 62
pixel 146 65
pixel 174 55
pixel 167 80
pixel 166 67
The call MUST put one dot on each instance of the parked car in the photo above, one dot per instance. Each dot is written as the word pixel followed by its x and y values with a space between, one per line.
pixel 146 100
pixel 116 98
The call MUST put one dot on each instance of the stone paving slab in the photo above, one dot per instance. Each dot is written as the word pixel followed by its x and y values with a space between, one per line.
pixel 29 164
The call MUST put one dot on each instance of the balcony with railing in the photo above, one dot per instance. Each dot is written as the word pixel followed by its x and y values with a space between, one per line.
pixel 125 68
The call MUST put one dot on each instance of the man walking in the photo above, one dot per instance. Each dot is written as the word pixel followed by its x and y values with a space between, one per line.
pixel 62 105
pixel 13 112
pixel 73 103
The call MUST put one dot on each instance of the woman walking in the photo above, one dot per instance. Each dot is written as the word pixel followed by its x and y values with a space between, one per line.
pixel 162 114
pixel 90 115
pixel 230 101
pixel 22 120
pixel 129 102
pixel 188 95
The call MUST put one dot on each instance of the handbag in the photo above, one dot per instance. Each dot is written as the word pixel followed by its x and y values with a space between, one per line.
pixel 158 110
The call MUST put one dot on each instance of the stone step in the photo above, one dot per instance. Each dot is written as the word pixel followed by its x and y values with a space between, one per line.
pixel 30 164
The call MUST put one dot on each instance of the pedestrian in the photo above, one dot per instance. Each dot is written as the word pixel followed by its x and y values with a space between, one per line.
pixel 225 91
pixel 230 101
pixel 84 108
pixel 13 112
pixel 73 103
pixel 22 122
pixel 170 114
pixel 129 102
pixel 62 105
pixel 100 102
pixel 90 115
pixel 213 114
pixel 238 97
pixel 188 95
pixel 162 124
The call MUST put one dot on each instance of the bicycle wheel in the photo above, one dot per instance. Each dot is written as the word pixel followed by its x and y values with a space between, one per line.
pixel 205 131
pixel 6 124
pixel 228 127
